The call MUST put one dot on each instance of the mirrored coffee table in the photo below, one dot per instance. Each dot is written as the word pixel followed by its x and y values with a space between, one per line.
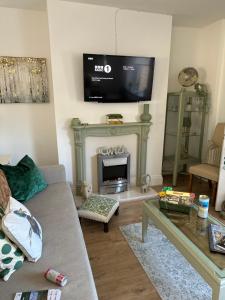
pixel 189 234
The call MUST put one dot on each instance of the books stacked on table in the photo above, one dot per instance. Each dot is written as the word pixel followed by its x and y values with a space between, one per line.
pixel 176 201
pixel 217 238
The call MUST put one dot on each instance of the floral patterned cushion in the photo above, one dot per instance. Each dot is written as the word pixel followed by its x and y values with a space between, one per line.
pixel 98 208
pixel 5 192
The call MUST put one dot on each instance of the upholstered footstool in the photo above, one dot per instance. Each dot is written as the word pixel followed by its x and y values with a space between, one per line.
pixel 99 208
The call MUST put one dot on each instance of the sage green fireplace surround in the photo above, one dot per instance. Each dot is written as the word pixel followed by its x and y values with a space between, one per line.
pixel 81 131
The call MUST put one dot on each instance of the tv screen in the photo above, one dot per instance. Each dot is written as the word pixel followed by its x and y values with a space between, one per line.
pixel 114 78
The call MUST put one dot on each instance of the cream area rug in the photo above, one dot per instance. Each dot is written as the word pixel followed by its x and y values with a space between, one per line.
pixel 171 274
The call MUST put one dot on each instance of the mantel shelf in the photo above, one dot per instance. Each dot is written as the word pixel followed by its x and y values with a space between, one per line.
pixel 105 125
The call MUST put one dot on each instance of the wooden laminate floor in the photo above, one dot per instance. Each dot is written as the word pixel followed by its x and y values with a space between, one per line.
pixel 117 272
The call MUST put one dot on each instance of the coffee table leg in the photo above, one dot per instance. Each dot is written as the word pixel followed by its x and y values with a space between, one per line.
pixel 144 226
pixel 218 293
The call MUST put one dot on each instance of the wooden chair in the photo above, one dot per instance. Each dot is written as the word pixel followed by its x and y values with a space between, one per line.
pixel 210 169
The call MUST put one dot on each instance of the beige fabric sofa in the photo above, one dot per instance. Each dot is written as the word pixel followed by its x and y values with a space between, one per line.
pixel 63 244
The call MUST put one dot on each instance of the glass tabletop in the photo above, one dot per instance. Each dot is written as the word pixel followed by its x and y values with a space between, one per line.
pixel 195 229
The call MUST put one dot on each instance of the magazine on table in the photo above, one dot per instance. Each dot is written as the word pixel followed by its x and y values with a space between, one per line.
pixel 217 238
pixel 52 294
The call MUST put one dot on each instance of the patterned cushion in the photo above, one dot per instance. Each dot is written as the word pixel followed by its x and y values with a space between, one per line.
pixel 98 208
pixel 11 257
pixel 5 192
pixel 24 179
pixel 23 229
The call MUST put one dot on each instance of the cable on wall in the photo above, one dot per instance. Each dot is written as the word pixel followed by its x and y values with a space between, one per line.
pixel 116 33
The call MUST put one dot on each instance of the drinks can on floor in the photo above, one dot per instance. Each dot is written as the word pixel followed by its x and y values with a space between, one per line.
pixel 56 277
pixel 203 207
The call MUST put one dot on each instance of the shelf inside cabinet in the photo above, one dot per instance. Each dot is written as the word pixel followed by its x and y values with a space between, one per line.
pixel 184 134
pixel 190 111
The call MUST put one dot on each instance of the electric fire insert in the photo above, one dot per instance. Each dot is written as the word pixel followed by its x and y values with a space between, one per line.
pixel 113 173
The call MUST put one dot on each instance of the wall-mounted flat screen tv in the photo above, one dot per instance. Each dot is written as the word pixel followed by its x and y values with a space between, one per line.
pixel 115 78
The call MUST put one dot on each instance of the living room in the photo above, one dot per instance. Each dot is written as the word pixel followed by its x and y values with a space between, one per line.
pixel 178 36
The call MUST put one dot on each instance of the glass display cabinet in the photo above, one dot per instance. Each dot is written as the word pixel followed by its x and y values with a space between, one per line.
pixel 184 131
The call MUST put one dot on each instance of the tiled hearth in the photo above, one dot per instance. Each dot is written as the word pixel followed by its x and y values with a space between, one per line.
pixel 133 194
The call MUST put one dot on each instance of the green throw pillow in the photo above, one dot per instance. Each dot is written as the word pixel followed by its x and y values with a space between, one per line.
pixel 24 179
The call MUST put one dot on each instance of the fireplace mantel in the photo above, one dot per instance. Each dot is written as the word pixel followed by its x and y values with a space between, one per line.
pixel 81 131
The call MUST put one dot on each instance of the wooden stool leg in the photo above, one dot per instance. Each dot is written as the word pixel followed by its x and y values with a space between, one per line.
pixel 106 227
pixel 190 183
pixel 214 190
pixel 117 212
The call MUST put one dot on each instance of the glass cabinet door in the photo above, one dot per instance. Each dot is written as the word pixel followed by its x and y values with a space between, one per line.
pixel 184 130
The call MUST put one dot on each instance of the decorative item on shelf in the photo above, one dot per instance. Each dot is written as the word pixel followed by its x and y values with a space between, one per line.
pixel 188 77
pixel 146 181
pixel 186 124
pixel 201 89
pixel 188 105
pixel 112 150
pixel 76 122
pixel 176 201
pixel 114 119
pixel 146 116
pixel 86 190
pixel 186 132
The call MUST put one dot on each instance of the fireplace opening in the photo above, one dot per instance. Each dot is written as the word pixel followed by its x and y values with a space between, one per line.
pixel 113 173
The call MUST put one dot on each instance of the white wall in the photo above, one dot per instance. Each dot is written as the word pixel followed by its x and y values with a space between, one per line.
pixel 184 49
pixel 27 128
pixel 77 28
pixel 204 49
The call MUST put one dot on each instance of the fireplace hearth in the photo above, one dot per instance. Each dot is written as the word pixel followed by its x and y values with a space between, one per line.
pixel 113 173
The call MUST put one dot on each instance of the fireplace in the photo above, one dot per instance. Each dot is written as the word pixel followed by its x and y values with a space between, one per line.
pixel 82 131
pixel 113 173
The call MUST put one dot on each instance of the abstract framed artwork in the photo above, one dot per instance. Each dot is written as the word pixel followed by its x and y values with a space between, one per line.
pixel 23 80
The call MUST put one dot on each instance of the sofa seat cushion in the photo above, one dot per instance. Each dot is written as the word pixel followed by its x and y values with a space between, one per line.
pixel 98 208
pixel 63 248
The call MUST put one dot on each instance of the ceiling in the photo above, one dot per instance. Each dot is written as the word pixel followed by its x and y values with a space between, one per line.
pixel 193 13
pixel 24 4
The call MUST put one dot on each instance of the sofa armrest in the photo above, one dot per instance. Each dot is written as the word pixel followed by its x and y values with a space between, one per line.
pixel 53 173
